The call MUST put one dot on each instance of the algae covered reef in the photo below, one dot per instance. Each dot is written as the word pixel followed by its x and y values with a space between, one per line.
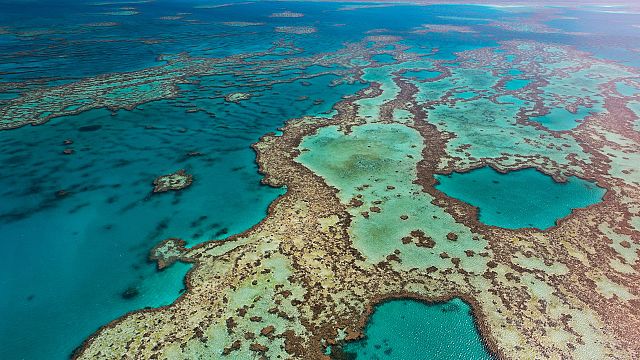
pixel 443 181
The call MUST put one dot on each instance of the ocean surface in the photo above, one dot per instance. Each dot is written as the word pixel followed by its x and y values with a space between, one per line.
pixel 413 330
pixel 519 199
pixel 76 229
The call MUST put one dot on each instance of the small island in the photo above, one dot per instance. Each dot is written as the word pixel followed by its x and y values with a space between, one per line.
pixel 237 97
pixel 176 181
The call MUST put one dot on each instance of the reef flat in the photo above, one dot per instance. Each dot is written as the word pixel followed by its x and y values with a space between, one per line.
pixel 390 152
pixel 362 222
pixel 175 181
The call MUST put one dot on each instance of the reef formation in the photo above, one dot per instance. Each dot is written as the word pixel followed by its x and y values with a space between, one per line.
pixel 362 221
pixel 175 181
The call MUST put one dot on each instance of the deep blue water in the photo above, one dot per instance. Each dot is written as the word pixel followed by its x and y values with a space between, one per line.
pixel 613 36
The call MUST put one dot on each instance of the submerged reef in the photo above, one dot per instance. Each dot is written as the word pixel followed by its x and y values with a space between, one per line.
pixel 287 14
pixel 299 30
pixel 175 181
pixel 362 221
pixel 129 90
pixel 167 252
pixel 237 97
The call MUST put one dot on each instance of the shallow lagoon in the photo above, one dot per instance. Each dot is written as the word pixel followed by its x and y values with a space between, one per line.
pixel 516 84
pixel 411 330
pixel 519 199
pixel 560 119
pixel 626 89
pixel 422 74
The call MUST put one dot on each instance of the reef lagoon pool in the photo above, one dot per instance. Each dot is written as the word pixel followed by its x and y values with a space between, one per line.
pixel 410 330
pixel 524 198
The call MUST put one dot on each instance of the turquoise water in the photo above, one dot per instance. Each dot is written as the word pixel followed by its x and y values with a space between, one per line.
pixel 466 95
pixel 626 89
pixel 66 261
pixel 85 249
pixel 516 84
pixel 635 107
pixel 560 119
pixel 422 74
pixel 383 58
pixel 519 199
pixel 414 330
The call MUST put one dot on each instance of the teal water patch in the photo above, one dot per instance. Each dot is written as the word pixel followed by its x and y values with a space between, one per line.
pixel 74 261
pixel 422 74
pixel 383 58
pixel 68 258
pixel 9 96
pixel 626 89
pixel 466 95
pixel 516 84
pixel 560 119
pixel 635 107
pixel 359 62
pixel 412 330
pixel 519 199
